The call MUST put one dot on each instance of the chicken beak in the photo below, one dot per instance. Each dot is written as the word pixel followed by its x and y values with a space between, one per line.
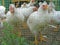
pixel 46 6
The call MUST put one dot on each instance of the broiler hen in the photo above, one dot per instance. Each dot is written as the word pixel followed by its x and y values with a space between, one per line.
pixel 15 18
pixel 39 19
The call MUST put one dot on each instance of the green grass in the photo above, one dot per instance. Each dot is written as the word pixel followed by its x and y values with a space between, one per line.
pixel 10 38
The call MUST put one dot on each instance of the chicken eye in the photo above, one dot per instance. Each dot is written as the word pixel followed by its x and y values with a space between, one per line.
pixel 43 5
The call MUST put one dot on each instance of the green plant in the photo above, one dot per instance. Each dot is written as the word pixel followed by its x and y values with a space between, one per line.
pixel 10 38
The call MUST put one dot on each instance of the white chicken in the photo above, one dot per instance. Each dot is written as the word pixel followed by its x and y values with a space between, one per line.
pixel 2 15
pixel 15 18
pixel 2 11
pixel 32 2
pixel 14 15
pixel 27 11
pixel 55 14
pixel 51 8
pixel 24 5
pixel 39 19
pixel 55 22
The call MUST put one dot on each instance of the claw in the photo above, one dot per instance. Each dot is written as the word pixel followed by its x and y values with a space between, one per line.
pixel 36 41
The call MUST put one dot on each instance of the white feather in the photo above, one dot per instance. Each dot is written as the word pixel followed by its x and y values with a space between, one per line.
pixel 38 19
pixel 15 17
